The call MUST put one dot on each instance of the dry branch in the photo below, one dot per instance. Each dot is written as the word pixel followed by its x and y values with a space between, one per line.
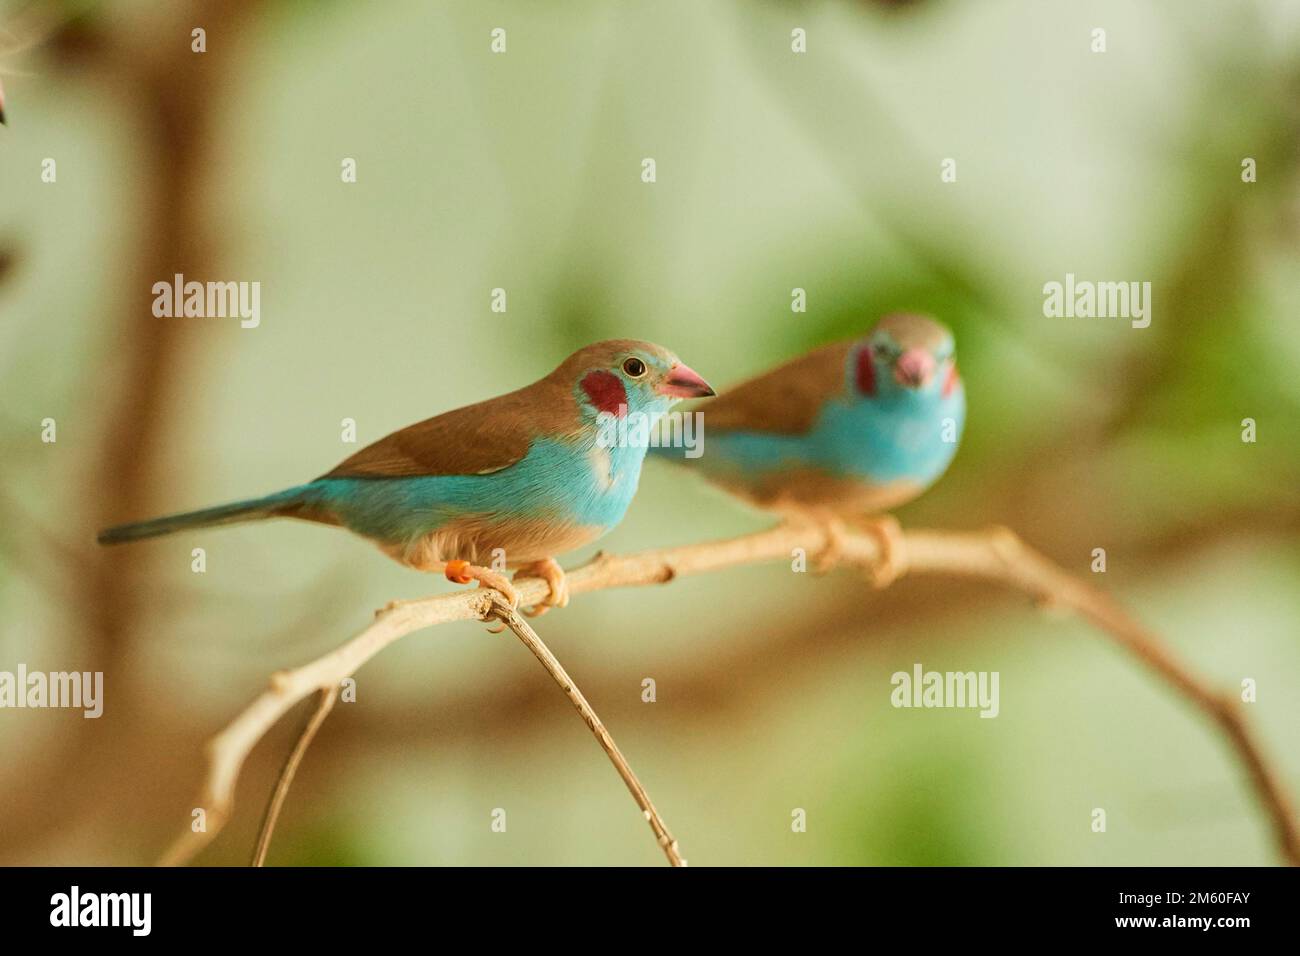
pixel 553 667
pixel 996 555
pixel 325 703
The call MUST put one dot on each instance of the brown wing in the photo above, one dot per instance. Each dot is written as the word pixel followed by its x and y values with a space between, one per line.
pixel 785 400
pixel 474 440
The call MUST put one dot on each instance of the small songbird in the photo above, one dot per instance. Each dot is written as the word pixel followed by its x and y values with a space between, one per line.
pixel 514 480
pixel 845 432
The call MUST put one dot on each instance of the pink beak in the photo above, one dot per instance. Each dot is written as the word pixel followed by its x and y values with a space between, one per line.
pixel 914 368
pixel 683 382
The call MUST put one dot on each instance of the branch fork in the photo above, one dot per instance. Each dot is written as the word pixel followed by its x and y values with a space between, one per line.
pixel 996 554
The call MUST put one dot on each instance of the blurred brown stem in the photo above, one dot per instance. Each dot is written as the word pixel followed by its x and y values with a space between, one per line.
pixel 995 555
pixel 166 101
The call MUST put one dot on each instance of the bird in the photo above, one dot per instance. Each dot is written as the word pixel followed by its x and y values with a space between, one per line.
pixel 515 480
pixel 845 433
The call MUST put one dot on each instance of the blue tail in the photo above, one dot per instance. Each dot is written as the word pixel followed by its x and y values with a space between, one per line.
pixel 282 503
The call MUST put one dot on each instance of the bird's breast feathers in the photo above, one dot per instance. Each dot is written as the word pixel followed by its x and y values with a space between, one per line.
pixel 562 494
pixel 857 453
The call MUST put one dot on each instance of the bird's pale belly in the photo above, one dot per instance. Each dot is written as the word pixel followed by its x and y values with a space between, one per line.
pixel 492 541
pixel 803 488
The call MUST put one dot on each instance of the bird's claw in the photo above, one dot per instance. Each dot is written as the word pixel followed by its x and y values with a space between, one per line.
pixel 549 570
pixel 829 556
pixel 892 563
pixel 833 534
pixel 462 572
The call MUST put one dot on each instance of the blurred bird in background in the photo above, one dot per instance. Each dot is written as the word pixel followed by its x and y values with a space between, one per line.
pixel 845 432
pixel 514 480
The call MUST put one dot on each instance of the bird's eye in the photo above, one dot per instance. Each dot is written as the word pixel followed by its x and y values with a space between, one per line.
pixel 883 351
pixel 634 367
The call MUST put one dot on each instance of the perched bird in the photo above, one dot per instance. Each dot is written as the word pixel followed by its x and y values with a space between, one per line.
pixel 848 431
pixel 532 473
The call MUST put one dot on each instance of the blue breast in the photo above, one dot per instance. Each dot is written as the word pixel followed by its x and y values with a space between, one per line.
pixel 877 440
pixel 901 437
pixel 571 482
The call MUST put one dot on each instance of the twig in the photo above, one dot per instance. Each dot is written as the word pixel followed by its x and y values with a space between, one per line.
pixel 524 631
pixel 327 696
pixel 325 703
pixel 995 555
pixel 1003 556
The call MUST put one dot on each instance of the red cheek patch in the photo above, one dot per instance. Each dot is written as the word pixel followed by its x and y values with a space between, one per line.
pixel 605 392
pixel 865 373
pixel 951 380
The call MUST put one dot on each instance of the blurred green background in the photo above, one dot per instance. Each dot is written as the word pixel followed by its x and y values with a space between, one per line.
pixel 774 171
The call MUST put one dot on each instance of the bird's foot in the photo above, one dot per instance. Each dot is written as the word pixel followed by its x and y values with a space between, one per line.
pixel 831 552
pixel 549 570
pixel 831 529
pixel 892 562
pixel 462 572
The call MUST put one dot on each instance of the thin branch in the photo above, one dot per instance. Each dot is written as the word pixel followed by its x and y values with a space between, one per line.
pixel 326 697
pixel 994 555
pixel 524 631
pixel 1006 558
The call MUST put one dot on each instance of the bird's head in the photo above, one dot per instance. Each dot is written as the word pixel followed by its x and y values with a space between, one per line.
pixel 624 375
pixel 904 355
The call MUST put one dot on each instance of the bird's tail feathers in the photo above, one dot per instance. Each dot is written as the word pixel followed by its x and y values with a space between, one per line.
pixel 284 502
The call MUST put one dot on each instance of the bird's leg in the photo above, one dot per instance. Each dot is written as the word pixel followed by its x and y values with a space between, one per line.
pixel 831 528
pixel 892 563
pixel 829 556
pixel 462 572
pixel 549 570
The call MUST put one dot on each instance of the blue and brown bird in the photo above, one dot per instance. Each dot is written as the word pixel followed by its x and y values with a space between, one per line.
pixel 515 480
pixel 846 432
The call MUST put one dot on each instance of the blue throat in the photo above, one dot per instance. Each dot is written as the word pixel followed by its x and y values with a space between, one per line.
pixel 894 436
